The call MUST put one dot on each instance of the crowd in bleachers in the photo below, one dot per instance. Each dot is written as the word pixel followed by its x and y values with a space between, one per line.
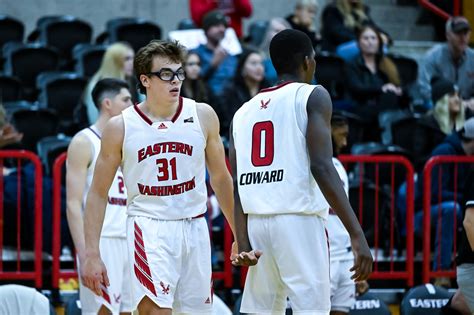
pixel 46 78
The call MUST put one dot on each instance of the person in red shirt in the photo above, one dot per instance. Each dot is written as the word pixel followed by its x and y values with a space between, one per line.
pixel 234 9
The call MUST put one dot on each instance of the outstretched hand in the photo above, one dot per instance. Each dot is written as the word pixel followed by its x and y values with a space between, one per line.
pixel 246 258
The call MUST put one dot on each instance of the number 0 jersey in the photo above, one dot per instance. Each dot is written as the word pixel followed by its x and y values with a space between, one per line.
pixel 164 164
pixel 273 168
pixel 115 220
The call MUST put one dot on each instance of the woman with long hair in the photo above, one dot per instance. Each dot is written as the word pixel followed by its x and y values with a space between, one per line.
pixel 249 79
pixel 194 87
pixel 373 80
pixel 340 21
pixel 116 63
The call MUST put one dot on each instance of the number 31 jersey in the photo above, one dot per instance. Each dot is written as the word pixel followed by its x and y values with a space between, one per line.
pixel 163 164
pixel 273 168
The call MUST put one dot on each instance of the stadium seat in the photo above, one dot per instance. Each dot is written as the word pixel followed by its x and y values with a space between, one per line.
pixel 369 304
pixel 87 58
pixel 10 89
pixel 256 32
pixel 10 30
pixel 63 33
pixel 137 32
pixel 35 124
pixel 26 61
pixel 425 299
pixel 407 68
pixel 330 74
pixel 49 148
pixel 13 106
pixel 61 92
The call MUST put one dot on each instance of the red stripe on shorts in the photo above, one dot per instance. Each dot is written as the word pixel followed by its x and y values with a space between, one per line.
pixel 142 269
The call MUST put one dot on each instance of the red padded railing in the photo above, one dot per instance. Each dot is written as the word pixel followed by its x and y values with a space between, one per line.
pixel 391 272
pixel 20 274
pixel 440 12
pixel 57 272
pixel 427 204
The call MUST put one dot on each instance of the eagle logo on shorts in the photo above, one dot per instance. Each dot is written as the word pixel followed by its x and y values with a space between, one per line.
pixel 165 289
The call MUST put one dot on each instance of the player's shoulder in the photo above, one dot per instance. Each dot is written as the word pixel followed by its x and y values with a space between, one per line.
pixel 205 111
pixel 80 139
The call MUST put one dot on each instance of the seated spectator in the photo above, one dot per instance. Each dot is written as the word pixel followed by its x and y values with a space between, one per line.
pixel 302 19
pixel 116 63
pixel 217 66
pixel 459 143
pixel 249 79
pixel 340 22
pixel 373 80
pixel 453 60
pixel 446 117
pixel 275 26
pixel 235 10
pixel 194 87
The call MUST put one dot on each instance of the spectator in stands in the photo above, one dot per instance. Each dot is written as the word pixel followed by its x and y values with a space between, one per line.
pixel 235 10
pixel 275 25
pixel 460 144
pixel 303 18
pixel 116 63
pixel 248 80
pixel 8 134
pixel 373 80
pixel 446 116
pixel 340 21
pixel 194 87
pixel 452 60
pixel 217 65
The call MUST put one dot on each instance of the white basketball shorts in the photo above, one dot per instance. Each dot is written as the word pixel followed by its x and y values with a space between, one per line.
pixel 294 264
pixel 342 286
pixel 171 263
pixel 118 296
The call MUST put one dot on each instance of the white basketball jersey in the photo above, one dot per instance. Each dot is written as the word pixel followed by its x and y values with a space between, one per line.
pixel 164 164
pixel 339 239
pixel 273 168
pixel 115 220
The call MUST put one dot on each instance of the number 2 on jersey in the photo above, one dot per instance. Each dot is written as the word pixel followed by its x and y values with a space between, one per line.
pixel 164 167
pixel 263 141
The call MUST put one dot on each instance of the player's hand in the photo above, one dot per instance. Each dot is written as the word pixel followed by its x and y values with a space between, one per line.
pixel 247 258
pixel 363 258
pixel 94 274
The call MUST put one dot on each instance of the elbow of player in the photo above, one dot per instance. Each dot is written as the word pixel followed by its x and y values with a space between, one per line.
pixel 468 223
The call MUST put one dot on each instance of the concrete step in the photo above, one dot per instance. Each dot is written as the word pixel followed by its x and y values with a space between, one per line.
pixel 407 33
pixel 403 15
pixel 412 49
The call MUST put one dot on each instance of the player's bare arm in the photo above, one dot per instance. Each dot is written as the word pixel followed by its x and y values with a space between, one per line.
pixel 318 137
pixel 221 181
pixel 94 272
pixel 468 224
pixel 246 255
pixel 79 156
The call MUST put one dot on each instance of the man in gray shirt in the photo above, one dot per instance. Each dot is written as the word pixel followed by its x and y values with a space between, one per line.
pixel 453 60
